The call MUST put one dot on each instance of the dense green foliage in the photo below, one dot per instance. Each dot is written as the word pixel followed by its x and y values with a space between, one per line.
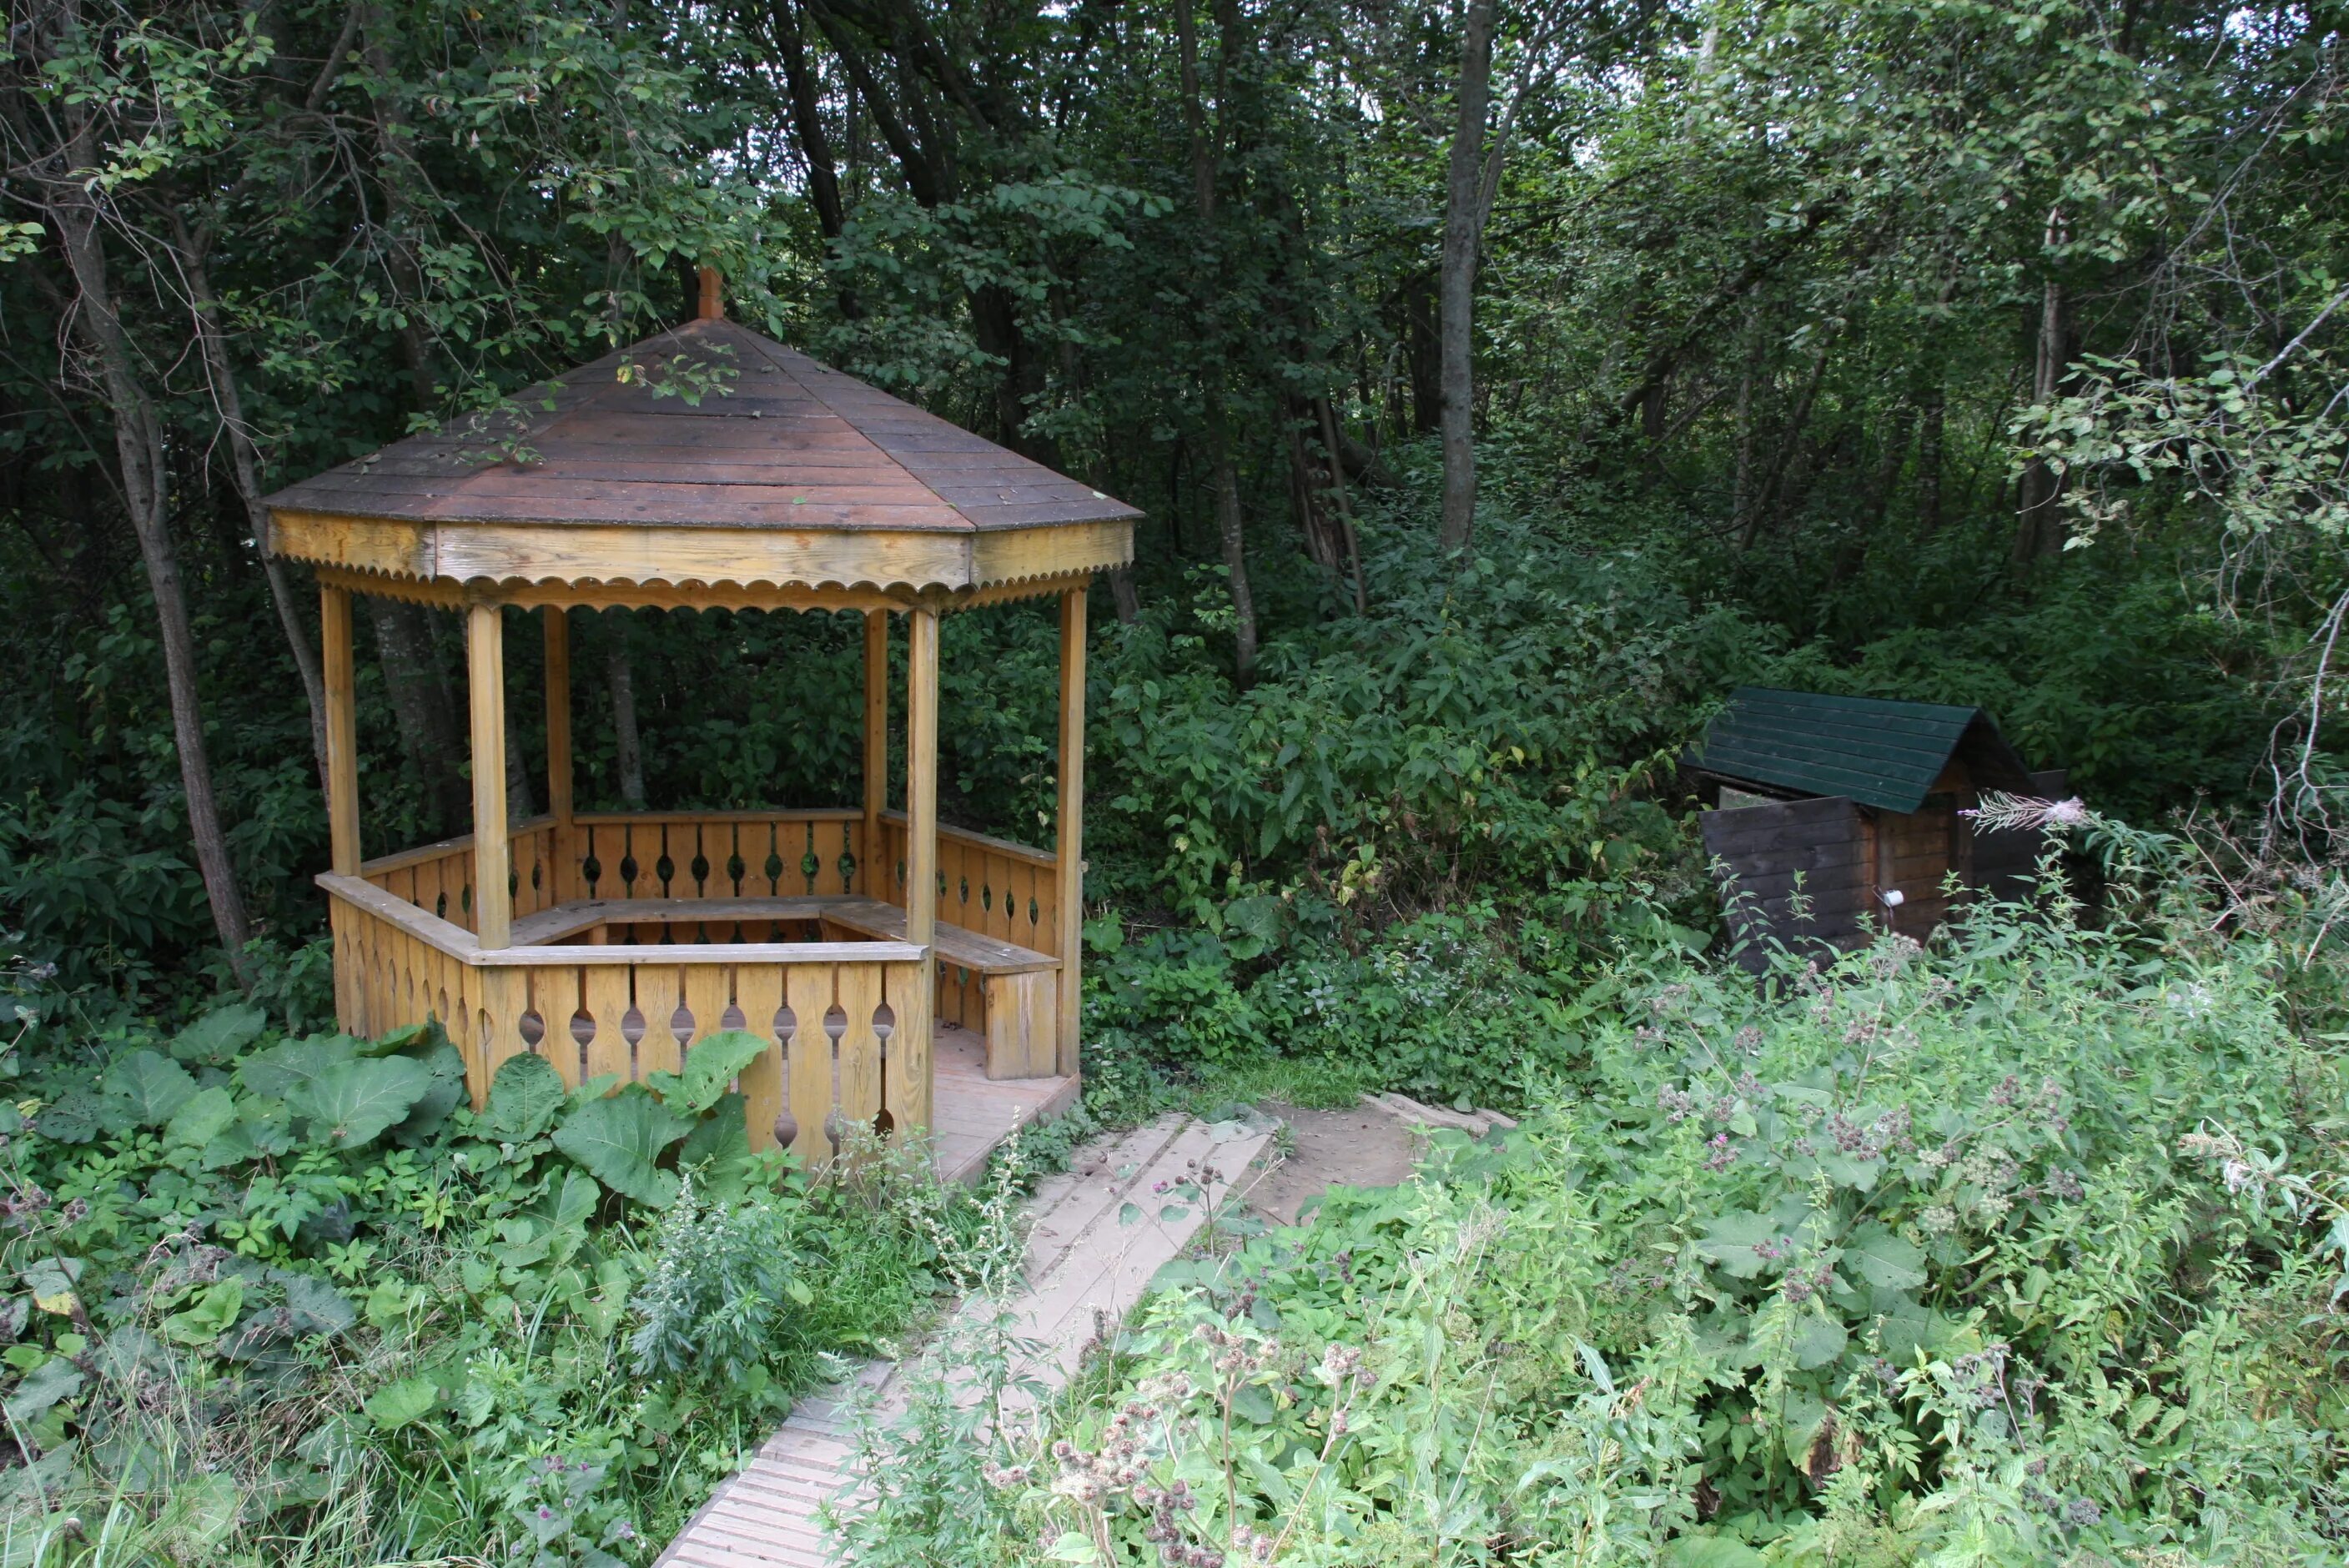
pixel 1987 352
pixel 289 1298
pixel 1843 323
pixel 2001 1253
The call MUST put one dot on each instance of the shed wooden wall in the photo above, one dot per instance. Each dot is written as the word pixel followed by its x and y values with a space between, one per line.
pixel 1916 850
pixel 1845 854
pixel 1766 850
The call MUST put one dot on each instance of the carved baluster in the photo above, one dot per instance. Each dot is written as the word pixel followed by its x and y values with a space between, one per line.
pixel 600 1025
pixel 859 992
pixel 758 992
pixel 809 1059
pixel 906 1080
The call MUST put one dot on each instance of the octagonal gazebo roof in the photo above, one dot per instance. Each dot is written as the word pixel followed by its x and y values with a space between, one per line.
pixel 786 482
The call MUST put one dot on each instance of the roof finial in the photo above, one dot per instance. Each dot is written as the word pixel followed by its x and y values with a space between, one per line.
pixel 713 296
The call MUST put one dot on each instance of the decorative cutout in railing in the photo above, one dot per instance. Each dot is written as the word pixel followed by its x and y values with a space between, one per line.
pixel 991 886
pixel 717 854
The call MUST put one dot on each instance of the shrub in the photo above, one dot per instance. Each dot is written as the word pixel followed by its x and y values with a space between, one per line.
pixel 1993 1254
pixel 718 1280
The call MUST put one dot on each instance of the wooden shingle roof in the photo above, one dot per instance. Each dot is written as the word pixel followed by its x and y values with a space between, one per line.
pixel 1877 752
pixel 783 471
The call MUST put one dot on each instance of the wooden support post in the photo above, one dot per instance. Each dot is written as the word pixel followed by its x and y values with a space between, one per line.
pixel 922 784
pixel 875 876
pixel 485 666
pixel 558 717
pixel 1069 837
pixel 342 732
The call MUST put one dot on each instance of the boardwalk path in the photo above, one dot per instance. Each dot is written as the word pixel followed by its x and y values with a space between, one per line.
pixel 1083 1264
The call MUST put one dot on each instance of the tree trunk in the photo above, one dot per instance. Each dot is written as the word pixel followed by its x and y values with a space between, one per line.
pixel 2039 525
pixel 521 803
pixel 428 729
pixel 1121 591
pixel 245 465
pixel 1929 458
pixel 1223 478
pixel 407 272
pixel 140 453
pixel 1790 441
pixel 1457 277
pixel 1334 444
pixel 627 741
pixel 1232 536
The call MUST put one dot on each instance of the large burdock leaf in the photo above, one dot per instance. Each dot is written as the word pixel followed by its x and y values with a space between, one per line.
pixel 709 1069
pixel 524 1097
pixel 1884 1260
pixel 219 1035
pixel 205 1115
pixel 359 1099
pixel 151 1086
pixel 441 1095
pixel 282 1072
pixel 619 1140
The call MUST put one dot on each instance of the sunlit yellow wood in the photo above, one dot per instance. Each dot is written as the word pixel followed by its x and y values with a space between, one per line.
pixel 922 791
pixel 485 667
pixel 1068 846
pixel 342 732
pixel 922 777
pixel 530 563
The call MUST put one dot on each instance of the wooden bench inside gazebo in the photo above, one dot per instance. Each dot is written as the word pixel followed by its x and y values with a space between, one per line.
pixel 909 977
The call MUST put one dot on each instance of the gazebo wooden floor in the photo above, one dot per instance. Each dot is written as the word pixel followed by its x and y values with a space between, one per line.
pixel 973 1114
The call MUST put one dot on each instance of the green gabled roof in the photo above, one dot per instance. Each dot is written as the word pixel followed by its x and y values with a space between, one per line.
pixel 1880 753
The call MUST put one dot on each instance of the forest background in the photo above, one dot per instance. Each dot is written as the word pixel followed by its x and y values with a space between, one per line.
pixel 1503 384
pixel 1969 353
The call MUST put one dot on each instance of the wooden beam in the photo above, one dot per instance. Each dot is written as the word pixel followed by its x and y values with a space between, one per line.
pixel 953 835
pixel 793 561
pixel 442 594
pixel 558 715
pixel 342 732
pixel 1069 837
pixel 874 878
pixel 485 668
pixel 922 777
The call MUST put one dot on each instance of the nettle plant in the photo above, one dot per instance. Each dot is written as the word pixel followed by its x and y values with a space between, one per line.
pixel 1995 1253
pixel 1919 1208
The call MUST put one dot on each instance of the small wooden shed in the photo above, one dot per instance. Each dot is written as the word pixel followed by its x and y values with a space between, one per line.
pixel 908 976
pixel 1857 803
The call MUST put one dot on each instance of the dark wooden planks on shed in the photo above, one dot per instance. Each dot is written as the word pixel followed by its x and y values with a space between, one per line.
pixel 1769 855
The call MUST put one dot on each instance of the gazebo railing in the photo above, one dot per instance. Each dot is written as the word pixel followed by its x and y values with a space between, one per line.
pixel 850 1022
pixel 714 854
pixel 437 878
pixel 991 886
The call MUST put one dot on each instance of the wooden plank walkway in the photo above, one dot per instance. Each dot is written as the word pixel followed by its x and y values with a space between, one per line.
pixel 1085 1270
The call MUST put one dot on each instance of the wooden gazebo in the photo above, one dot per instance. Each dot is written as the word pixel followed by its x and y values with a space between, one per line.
pixel 854 939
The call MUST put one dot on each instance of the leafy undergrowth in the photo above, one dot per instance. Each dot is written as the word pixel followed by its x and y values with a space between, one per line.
pixel 277 1300
pixel 1995 1255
